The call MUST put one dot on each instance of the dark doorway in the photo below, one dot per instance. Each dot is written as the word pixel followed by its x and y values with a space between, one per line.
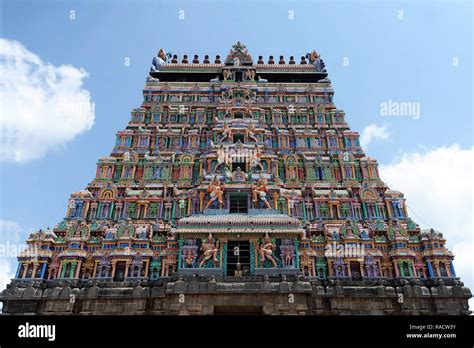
pixel 238 203
pixel 238 310
pixel 355 271
pixel 235 165
pixel 237 137
pixel 238 76
pixel 238 258
pixel 119 271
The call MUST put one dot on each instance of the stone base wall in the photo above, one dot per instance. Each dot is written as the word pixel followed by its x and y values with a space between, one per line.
pixel 208 296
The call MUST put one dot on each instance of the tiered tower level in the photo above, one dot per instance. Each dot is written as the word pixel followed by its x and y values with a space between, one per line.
pixel 237 178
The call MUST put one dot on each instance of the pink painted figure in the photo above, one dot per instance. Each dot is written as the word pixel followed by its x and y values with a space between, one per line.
pixel 216 192
pixel 266 251
pixel 226 133
pixel 260 192
pixel 209 250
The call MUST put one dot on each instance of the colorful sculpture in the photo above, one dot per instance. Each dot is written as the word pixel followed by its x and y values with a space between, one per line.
pixel 251 133
pixel 299 172
pixel 216 191
pixel 266 251
pixel 260 192
pixel 226 133
pixel 209 251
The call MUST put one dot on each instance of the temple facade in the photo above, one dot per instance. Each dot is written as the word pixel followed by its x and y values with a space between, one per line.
pixel 237 182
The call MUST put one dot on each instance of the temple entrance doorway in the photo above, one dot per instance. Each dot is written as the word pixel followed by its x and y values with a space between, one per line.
pixel 119 275
pixel 238 203
pixel 240 165
pixel 238 258
pixel 355 271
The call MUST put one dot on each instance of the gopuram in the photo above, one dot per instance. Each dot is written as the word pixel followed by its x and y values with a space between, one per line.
pixel 237 187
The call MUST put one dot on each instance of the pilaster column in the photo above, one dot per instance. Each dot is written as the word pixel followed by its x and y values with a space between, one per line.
pixel 438 273
pixel 78 269
pixel 94 270
pixel 73 268
pixel 113 268
pixel 127 266
pixel 415 274
pixel 397 272
pixel 400 266
pixel 330 268
pixel 63 270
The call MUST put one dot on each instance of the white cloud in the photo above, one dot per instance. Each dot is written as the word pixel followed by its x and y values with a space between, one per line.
pixel 463 263
pixel 438 186
pixel 12 241
pixel 6 274
pixel 373 131
pixel 43 107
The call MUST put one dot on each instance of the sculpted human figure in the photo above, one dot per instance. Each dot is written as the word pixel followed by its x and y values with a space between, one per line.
pixel 251 133
pixel 226 133
pixel 216 192
pixel 266 251
pixel 250 75
pixel 209 250
pixel 188 259
pixel 255 161
pixel 260 192
pixel 288 258
pixel 227 74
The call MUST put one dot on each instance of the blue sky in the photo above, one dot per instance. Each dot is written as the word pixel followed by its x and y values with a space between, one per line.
pixel 397 50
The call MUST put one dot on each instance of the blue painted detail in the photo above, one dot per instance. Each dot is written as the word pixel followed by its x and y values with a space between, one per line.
pixel 224 258
pixel 252 258
pixel 297 243
pixel 453 272
pixel 18 270
pixel 43 269
pixel 180 243
pixel 430 269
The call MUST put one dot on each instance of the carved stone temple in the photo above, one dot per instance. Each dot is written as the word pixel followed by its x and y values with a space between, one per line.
pixel 236 187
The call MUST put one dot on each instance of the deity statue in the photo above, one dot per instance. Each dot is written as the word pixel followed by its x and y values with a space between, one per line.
pixel 149 157
pixel 251 133
pixel 160 59
pixel 288 257
pixel 255 161
pixel 189 258
pixel 260 192
pixel 349 230
pixel 126 156
pixel 227 74
pixel 209 250
pixel 266 251
pixel 142 232
pixel 314 58
pixel 226 133
pixel 250 75
pixel 216 192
